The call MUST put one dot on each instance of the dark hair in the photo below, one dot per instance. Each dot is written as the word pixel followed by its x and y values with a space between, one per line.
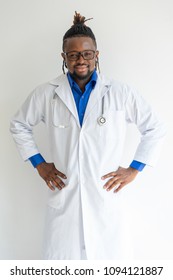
pixel 79 29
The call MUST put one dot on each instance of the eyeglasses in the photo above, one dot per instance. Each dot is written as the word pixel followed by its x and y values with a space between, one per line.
pixel 87 55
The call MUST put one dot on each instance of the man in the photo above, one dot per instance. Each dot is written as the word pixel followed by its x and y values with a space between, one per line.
pixel 86 115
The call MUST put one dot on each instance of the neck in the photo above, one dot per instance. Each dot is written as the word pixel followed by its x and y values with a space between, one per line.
pixel 81 81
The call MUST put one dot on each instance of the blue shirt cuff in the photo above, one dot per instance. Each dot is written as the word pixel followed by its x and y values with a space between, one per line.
pixel 137 165
pixel 36 159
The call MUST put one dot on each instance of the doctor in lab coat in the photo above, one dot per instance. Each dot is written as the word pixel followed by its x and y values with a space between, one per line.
pixel 86 215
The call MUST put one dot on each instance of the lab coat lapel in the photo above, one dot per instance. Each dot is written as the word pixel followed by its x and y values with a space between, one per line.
pixel 64 92
pixel 101 88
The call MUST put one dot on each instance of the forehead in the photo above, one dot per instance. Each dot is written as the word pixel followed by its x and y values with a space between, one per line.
pixel 79 44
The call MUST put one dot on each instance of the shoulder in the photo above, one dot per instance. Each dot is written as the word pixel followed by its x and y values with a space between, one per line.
pixel 48 88
pixel 117 87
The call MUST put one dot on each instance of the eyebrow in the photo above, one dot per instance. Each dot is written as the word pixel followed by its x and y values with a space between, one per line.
pixel 81 51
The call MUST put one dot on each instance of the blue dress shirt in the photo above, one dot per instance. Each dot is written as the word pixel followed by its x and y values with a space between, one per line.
pixel 81 100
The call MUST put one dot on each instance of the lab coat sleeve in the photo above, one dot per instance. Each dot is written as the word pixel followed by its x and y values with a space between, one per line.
pixel 21 126
pixel 151 129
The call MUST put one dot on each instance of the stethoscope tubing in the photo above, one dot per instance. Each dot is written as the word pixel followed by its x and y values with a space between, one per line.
pixel 102 120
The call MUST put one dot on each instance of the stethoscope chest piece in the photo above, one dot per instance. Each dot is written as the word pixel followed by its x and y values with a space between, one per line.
pixel 101 120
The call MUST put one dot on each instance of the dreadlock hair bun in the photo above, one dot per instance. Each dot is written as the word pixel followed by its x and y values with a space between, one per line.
pixel 79 29
pixel 78 19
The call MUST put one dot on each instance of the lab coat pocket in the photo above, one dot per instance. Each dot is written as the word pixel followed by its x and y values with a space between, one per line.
pixel 56 198
pixel 114 128
pixel 115 118
pixel 61 116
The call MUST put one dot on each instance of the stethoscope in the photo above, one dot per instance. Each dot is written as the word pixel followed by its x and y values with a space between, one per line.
pixel 102 120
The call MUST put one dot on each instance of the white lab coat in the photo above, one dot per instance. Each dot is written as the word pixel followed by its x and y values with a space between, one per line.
pixel 83 214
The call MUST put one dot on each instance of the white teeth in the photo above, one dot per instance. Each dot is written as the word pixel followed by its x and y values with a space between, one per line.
pixel 81 66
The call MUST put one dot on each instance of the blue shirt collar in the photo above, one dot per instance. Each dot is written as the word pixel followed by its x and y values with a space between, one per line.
pixel 92 80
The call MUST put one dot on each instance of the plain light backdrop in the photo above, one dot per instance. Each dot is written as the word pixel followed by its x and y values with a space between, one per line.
pixel 135 40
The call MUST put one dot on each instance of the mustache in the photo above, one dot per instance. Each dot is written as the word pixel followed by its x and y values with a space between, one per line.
pixel 81 64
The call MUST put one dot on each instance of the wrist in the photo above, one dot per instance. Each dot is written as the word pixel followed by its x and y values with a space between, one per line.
pixel 40 165
pixel 134 170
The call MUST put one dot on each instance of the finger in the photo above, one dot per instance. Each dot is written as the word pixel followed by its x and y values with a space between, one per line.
pixel 55 184
pixel 119 187
pixel 50 185
pixel 109 175
pixel 110 182
pixel 58 183
pixel 113 185
pixel 60 174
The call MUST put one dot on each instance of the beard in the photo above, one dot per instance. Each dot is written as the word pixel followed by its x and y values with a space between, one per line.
pixel 81 77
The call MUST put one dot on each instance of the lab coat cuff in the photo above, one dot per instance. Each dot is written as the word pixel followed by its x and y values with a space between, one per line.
pixel 36 159
pixel 137 165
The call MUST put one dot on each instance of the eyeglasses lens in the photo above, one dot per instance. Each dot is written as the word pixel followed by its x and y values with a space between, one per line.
pixel 87 55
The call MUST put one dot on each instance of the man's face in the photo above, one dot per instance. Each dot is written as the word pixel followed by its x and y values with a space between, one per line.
pixel 80 69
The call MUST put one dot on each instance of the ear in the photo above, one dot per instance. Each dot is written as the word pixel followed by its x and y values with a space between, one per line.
pixel 63 55
pixel 97 54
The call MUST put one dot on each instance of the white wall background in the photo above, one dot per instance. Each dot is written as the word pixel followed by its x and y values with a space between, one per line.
pixel 135 39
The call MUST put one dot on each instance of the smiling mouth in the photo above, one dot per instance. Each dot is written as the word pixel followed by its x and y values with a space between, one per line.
pixel 81 68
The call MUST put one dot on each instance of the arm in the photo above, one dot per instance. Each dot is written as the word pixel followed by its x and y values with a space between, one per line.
pixel 152 135
pixel 30 114
pixel 151 128
pixel 21 126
